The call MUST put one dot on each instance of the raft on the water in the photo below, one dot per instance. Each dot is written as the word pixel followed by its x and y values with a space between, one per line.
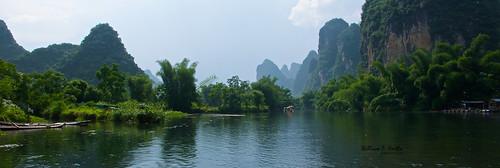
pixel 25 126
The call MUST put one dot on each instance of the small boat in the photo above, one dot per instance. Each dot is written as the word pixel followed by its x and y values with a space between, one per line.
pixel 24 127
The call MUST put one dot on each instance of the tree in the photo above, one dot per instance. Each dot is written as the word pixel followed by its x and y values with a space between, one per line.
pixel 274 96
pixel 140 88
pixel 112 83
pixel 178 88
pixel 82 91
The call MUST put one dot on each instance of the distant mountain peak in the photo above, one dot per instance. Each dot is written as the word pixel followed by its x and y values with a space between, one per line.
pixel 269 68
pixel 101 46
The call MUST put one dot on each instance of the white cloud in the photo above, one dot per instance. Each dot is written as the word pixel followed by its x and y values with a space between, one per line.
pixel 314 13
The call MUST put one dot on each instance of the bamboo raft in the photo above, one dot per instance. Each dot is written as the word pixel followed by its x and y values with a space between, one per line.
pixel 26 126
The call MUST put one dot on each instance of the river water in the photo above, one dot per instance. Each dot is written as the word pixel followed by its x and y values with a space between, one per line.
pixel 300 139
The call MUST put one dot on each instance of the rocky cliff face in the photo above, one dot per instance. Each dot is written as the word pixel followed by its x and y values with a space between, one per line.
pixel 391 28
pixel 348 55
pixel 302 75
pixel 338 53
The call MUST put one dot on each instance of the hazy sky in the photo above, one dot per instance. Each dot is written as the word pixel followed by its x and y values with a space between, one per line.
pixel 226 37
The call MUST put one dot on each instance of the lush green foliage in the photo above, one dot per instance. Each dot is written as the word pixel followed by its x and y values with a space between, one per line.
pixel 178 89
pixel 43 59
pixel 132 111
pixel 112 83
pixel 49 95
pixel 240 96
pixel 140 88
pixel 436 80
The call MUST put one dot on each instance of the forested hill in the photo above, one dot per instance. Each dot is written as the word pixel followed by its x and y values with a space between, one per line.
pixel 8 46
pixel 101 46
pixel 393 27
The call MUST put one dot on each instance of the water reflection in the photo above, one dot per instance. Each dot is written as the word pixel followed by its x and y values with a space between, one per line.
pixel 300 139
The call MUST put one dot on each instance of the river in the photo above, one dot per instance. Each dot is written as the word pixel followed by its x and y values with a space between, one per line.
pixel 300 139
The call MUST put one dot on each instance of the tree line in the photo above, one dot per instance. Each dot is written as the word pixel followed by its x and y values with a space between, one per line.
pixel 49 93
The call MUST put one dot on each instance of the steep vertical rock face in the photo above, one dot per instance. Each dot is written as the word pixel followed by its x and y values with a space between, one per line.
pixel 8 46
pixel 101 46
pixel 348 54
pixel 338 53
pixel 302 75
pixel 391 28
pixel 328 47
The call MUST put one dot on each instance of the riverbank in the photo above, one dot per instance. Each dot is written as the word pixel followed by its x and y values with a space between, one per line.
pixel 129 111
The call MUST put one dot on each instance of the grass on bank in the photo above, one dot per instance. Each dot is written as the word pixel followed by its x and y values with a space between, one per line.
pixel 129 111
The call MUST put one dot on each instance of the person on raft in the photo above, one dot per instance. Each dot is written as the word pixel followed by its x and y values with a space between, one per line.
pixel 288 109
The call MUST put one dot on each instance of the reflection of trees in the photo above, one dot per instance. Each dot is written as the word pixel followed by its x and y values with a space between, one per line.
pixel 99 145
pixel 179 147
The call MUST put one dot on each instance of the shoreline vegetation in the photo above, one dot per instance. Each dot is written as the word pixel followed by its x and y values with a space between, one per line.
pixel 422 81
pixel 40 97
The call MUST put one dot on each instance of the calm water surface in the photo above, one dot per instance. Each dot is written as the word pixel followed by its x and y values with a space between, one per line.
pixel 301 139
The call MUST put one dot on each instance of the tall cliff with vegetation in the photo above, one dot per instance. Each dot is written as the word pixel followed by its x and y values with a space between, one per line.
pixel 338 53
pixel 391 28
